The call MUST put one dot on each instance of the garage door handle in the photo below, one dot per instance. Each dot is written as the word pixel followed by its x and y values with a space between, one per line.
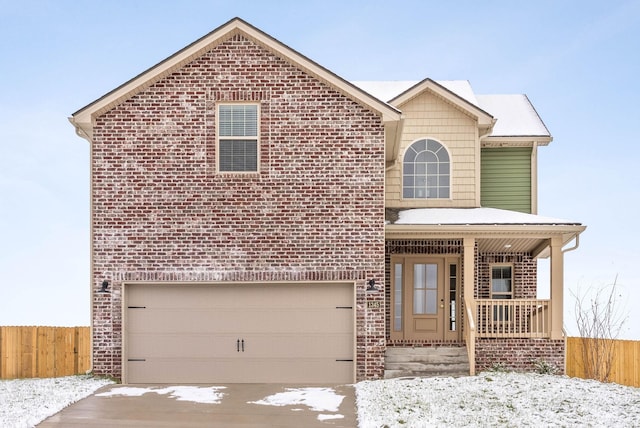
pixel 240 345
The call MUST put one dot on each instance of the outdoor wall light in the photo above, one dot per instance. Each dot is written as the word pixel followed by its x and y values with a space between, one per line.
pixel 103 289
pixel 371 285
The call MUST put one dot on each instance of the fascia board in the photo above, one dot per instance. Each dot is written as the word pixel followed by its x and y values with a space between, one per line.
pixel 84 118
pixel 484 119
pixel 484 231
pixel 516 141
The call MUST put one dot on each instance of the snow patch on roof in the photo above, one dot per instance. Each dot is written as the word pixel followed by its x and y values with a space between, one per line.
pixel 385 90
pixel 473 216
pixel 515 113
pixel 461 88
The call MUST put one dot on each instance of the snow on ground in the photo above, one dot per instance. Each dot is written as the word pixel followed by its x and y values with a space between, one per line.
pixel 196 394
pixel 317 399
pixel 26 402
pixel 496 399
pixel 489 399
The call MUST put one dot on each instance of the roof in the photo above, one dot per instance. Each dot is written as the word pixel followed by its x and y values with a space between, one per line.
pixel 83 119
pixel 387 90
pixel 474 216
pixel 494 230
pixel 515 115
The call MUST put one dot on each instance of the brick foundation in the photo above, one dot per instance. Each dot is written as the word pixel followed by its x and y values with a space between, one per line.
pixel 519 354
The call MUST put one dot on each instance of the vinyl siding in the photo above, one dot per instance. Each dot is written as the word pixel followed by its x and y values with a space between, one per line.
pixel 429 116
pixel 506 178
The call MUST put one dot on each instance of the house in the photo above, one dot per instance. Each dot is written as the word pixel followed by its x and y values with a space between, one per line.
pixel 257 218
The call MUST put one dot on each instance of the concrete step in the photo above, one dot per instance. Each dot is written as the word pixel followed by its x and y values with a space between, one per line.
pixel 428 361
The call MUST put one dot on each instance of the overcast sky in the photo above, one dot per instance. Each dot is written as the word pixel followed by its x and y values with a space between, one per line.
pixel 578 61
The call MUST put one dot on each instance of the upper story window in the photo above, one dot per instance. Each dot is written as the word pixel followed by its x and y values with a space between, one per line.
pixel 426 171
pixel 238 137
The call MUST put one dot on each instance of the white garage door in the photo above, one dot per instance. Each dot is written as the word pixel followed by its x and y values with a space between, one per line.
pixel 239 333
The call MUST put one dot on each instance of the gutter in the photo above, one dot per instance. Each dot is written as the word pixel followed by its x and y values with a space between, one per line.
pixel 575 247
pixel 79 131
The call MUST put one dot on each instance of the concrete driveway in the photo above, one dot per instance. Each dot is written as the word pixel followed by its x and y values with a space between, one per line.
pixel 236 405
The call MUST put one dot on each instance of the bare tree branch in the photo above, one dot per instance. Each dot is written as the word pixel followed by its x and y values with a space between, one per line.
pixel 600 317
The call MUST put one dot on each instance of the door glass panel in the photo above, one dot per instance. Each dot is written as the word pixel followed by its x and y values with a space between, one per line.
pixel 453 282
pixel 397 298
pixel 425 289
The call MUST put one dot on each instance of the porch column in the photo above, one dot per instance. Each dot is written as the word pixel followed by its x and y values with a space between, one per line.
pixel 557 287
pixel 469 263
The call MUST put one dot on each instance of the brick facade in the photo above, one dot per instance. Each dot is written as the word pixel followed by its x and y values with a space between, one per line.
pixel 519 354
pixel 525 274
pixel 313 212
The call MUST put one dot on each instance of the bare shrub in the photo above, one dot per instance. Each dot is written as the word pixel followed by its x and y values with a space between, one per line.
pixel 600 317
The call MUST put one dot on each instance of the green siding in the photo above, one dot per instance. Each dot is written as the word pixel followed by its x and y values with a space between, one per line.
pixel 506 178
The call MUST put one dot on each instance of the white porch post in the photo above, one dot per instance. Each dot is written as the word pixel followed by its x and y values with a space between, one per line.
pixel 557 287
pixel 468 280
pixel 469 263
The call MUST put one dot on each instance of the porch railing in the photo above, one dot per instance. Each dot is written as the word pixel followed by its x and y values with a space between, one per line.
pixel 525 318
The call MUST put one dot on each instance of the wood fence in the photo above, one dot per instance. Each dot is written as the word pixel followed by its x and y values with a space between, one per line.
pixel 625 367
pixel 41 352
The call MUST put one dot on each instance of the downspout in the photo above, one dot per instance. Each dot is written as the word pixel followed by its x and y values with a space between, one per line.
pixel 564 331
pixel 575 247
pixel 82 134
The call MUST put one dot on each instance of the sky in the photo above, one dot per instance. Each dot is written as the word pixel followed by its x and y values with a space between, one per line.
pixel 578 62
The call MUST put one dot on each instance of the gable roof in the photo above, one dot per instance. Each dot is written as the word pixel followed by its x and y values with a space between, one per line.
pixel 456 92
pixel 83 119
pixel 514 114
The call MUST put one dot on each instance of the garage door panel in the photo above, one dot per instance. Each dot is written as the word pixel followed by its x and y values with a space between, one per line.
pixel 226 296
pixel 230 370
pixel 337 346
pixel 239 321
pixel 291 333
pixel 181 346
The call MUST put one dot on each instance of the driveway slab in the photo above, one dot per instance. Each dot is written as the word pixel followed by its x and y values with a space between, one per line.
pixel 232 405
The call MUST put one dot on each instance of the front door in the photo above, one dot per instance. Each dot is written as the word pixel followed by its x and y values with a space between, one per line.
pixel 424 298
pixel 424 305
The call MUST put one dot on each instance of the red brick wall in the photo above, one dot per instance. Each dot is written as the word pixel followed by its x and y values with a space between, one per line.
pixel 314 211
pixel 525 274
pixel 519 354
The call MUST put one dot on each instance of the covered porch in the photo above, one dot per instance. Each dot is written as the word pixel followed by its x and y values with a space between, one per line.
pixel 492 300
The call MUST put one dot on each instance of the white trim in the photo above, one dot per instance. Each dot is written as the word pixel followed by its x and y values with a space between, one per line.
pixel 84 119
pixel 257 137
pixel 401 161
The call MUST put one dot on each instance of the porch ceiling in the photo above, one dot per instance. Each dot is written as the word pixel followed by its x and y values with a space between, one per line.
pixel 494 230
pixel 512 245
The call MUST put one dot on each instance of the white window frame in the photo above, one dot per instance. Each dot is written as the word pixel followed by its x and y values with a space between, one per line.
pixel 427 175
pixel 504 294
pixel 502 313
pixel 242 137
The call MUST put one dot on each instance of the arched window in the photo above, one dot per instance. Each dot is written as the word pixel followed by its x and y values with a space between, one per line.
pixel 426 171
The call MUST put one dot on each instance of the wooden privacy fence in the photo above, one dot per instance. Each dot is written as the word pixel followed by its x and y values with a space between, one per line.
pixel 29 352
pixel 625 367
